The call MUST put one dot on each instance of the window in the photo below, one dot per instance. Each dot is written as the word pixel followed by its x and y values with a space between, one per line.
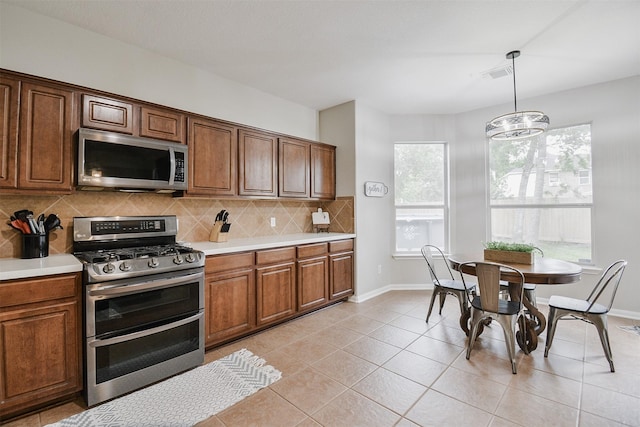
pixel 421 195
pixel 541 193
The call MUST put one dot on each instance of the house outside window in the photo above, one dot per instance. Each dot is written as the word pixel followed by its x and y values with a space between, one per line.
pixel 541 192
pixel 421 187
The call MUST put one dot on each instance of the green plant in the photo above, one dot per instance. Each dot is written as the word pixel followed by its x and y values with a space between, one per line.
pixel 504 246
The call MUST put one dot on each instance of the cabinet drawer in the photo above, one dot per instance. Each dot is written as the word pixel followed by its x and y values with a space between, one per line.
pixel 162 124
pixel 219 263
pixel 273 256
pixel 312 250
pixel 341 246
pixel 18 292
pixel 107 114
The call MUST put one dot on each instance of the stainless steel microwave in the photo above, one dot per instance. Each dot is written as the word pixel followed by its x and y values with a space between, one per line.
pixel 122 162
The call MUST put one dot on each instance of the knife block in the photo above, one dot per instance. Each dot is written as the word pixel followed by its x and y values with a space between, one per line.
pixel 217 235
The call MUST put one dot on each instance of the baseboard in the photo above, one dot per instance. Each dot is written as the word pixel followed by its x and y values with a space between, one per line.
pixel 389 288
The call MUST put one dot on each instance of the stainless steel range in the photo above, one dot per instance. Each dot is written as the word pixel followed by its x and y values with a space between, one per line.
pixel 143 303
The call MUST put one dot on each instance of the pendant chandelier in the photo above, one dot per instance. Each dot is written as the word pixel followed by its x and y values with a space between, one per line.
pixel 519 124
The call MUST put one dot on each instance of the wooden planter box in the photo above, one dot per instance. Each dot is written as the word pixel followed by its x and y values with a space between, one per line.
pixel 508 257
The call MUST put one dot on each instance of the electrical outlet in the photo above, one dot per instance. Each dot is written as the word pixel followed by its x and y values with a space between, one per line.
pixel 379 268
pixel 273 221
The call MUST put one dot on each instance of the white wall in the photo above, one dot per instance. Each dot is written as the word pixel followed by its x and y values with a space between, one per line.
pixel 374 216
pixel 38 45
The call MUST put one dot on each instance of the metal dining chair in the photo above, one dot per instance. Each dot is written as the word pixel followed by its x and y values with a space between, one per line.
pixel 489 306
pixel 588 310
pixel 444 287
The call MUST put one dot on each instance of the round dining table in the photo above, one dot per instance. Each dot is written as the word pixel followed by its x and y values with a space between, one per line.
pixel 543 271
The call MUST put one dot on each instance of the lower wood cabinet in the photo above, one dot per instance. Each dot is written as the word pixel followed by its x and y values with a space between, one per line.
pixel 229 293
pixel 40 342
pixel 249 291
pixel 276 285
pixel 340 269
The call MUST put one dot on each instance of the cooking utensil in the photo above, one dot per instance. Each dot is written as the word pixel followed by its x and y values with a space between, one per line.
pixel 52 222
pixel 21 225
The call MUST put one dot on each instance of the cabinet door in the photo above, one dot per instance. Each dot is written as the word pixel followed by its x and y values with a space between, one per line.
pixel 293 168
pixel 9 96
pixel 213 154
pixel 313 282
pixel 229 305
pixel 341 275
pixel 257 164
pixel 107 114
pixel 275 297
pixel 40 355
pixel 162 124
pixel 46 139
pixel 323 171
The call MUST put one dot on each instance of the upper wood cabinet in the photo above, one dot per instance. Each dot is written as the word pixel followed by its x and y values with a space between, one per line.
pixel 294 174
pixel 162 124
pixel 257 164
pixel 323 171
pixel 107 114
pixel 116 115
pixel 9 104
pixel 213 154
pixel 45 143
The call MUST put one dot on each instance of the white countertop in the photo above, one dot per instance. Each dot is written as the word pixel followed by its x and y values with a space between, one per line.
pixel 267 242
pixel 16 268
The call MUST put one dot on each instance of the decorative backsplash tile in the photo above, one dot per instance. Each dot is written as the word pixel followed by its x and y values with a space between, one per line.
pixel 249 218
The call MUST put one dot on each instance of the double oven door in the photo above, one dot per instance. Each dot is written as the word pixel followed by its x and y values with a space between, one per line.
pixel 139 331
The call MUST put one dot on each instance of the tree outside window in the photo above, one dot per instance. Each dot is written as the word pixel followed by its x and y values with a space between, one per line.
pixel 541 192
pixel 421 195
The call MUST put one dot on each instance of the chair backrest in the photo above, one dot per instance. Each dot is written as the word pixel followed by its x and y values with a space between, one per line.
pixel 427 253
pixel 610 277
pixel 489 275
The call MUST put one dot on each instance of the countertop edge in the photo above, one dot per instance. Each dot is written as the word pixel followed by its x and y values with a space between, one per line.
pixel 267 242
pixel 17 268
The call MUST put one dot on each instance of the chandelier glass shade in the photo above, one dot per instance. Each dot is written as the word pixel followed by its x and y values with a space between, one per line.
pixel 519 124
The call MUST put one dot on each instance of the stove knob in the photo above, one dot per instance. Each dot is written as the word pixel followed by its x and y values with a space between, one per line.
pixel 109 268
pixel 178 259
pixel 153 262
pixel 125 266
pixel 190 258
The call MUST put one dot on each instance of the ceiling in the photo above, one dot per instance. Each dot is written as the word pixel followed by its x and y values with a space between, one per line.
pixel 397 56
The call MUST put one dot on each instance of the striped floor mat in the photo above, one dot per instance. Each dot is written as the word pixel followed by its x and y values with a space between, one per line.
pixel 185 399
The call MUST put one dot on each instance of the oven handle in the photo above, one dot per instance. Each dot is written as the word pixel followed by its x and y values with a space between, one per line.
pixel 146 332
pixel 117 290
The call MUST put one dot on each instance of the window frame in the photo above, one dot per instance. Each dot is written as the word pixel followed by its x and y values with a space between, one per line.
pixel 490 206
pixel 445 206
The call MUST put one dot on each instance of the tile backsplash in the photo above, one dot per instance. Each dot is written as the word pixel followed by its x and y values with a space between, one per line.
pixel 249 218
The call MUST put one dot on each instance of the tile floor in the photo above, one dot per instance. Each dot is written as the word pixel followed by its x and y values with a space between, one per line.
pixel 378 363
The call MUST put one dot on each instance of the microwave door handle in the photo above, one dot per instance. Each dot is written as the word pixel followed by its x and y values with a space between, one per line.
pixel 172 165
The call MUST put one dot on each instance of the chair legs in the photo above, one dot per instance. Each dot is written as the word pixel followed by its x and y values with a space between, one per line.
pixel 508 324
pixel 442 294
pixel 598 320
pixel 552 321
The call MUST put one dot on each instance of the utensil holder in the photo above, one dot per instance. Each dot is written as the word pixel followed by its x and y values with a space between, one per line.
pixel 35 246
